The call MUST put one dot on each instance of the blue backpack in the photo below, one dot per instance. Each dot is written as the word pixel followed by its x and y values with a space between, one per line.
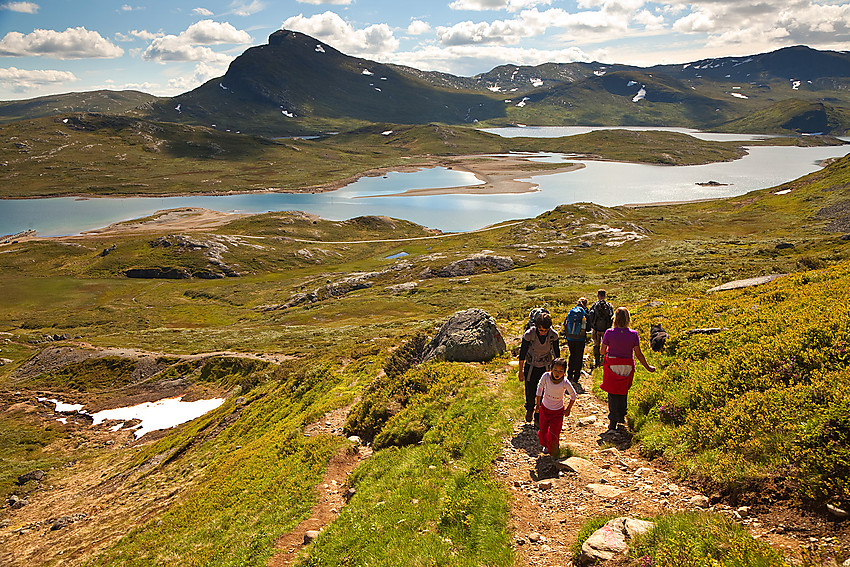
pixel 574 325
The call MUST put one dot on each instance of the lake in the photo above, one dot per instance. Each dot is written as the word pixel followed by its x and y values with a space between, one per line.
pixel 604 183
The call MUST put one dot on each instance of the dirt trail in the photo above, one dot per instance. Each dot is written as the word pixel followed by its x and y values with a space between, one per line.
pixel 617 481
pixel 332 492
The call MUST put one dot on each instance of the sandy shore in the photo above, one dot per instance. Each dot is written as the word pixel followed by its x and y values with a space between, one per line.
pixel 502 174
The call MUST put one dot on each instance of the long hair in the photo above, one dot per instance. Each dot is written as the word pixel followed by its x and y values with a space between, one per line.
pixel 622 317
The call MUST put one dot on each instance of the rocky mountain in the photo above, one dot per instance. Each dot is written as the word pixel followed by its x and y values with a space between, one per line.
pixel 297 85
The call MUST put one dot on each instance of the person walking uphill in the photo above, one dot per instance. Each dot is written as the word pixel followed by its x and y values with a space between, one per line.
pixel 538 349
pixel 618 345
pixel 551 391
pixel 601 317
pixel 575 328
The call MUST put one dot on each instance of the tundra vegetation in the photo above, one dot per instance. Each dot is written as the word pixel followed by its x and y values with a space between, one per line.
pixel 326 320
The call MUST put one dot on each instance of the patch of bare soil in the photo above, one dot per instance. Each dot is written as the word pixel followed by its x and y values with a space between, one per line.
pixel 551 505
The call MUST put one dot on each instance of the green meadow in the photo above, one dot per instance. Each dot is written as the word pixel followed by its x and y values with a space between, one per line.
pixel 761 399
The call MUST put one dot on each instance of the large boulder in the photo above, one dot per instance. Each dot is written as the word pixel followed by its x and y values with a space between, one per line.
pixel 468 336
pixel 610 540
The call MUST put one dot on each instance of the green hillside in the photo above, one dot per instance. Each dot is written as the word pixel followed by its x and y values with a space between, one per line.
pixel 301 331
pixel 793 116
pixel 107 102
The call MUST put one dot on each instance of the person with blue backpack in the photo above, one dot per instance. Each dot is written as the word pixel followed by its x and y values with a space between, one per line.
pixel 576 325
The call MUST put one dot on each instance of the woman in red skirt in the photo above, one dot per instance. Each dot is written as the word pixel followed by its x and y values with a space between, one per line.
pixel 620 347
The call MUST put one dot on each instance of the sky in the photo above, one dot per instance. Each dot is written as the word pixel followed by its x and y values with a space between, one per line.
pixel 169 47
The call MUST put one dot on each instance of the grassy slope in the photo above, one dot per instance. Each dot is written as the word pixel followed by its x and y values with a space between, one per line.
pixel 109 102
pixel 55 288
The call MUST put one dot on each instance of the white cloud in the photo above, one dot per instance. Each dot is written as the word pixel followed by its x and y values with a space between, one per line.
pixel 247 8
pixel 208 32
pixel 467 60
pixel 138 34
pixel 203 72
pixel 771 23
pixel 332 29
pixel 22 7
pixel 317 2
pixel 21 80
pixel 73 43
pixel 650 21
pixel 509 5
pixel 418 27
pixel 202 12
pixel 186 46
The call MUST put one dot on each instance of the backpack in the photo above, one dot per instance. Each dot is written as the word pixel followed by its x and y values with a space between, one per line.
pixel 574 323
pixel 601 315
pixel 532 316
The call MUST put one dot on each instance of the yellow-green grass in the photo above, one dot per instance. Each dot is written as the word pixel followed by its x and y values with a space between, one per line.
pixel 428 496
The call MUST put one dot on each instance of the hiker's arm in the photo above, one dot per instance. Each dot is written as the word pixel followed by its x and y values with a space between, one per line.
pixel 642 359
pixel 523 352
pixel 569 406
pixel 537 404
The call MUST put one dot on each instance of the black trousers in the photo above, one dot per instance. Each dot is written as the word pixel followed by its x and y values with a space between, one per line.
pixel 532 378
pixel 618 405
pixel 576 360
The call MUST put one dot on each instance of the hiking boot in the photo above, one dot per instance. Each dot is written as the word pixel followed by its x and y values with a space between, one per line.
pixel 537 421
pixel 578 387
pixel 528 415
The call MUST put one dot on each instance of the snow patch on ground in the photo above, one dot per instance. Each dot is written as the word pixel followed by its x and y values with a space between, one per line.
pixel 320 49
pixel 367 72
pixel 631 83
pixel 523 101
pixel 153 416
pixel 386 132
pixel 287 113
pixel 536 82
pixel 739 95
pixel 599 73
pixel 641 94
pixel 177 108
pixel 783 192
pixel 795 85
pixel 495 88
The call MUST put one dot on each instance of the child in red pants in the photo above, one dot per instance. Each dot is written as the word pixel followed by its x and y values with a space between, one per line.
pixel 551 391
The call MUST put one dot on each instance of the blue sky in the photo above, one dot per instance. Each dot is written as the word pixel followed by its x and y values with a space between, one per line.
pixel 169 47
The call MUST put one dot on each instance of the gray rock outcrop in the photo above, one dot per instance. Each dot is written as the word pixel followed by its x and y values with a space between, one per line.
pixel 611 540
pixel 32 475
pixel 468 336
pixel 480 262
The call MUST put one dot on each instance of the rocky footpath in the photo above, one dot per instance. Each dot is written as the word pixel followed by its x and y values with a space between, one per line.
pixel 607 476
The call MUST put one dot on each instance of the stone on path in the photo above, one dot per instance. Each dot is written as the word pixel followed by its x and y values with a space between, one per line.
pixel 699 501
pixel 610 540
pixel 585 421
pixel 605 490
pixel 836 511
pixel 581 466
pixel 310 535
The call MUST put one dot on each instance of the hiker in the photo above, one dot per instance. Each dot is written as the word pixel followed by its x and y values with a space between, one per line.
pixel 618 344
pixel 551 391
pixel 601 317
pixel 575 328
pixel 540 347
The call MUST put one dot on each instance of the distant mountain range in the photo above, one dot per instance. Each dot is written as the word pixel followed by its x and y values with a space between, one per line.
pixel 298 85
